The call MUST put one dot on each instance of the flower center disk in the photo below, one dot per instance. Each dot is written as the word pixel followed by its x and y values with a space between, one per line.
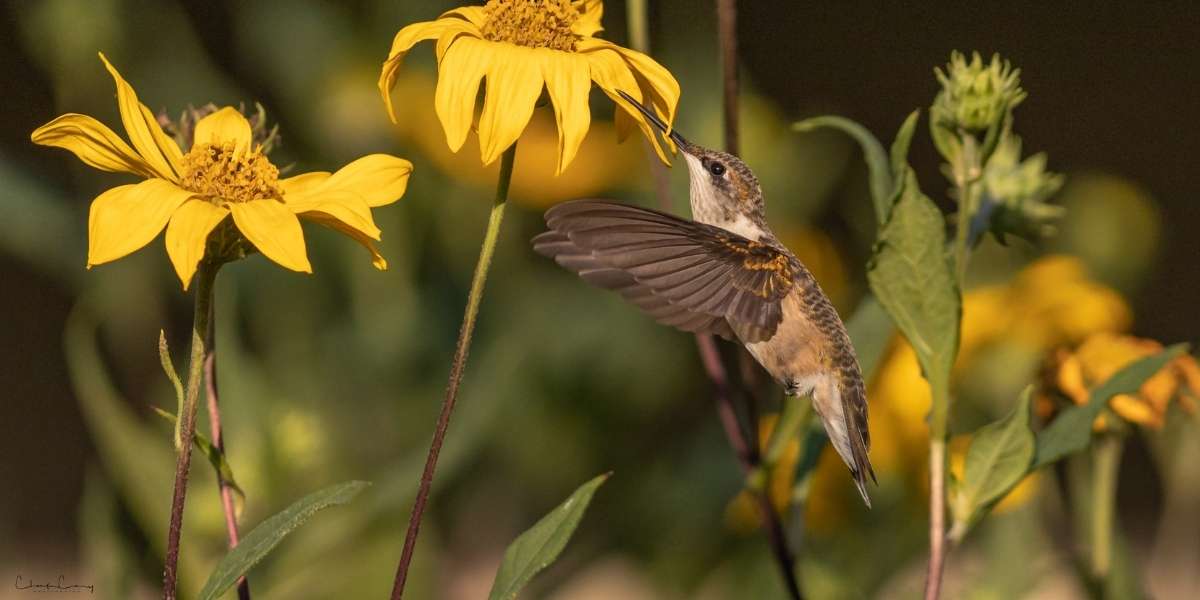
pixel 221 175
pixel 531 23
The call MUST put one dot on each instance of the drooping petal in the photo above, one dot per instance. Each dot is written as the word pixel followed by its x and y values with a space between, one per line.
pixel 187 235
pixel 590 12
pixel 345 206
pixel 610 72
pixel 222 127
pixel 127 217
pixel 340 226
pixel 94 143
pixel 405 39
pixel 514 82
pixel 664 90
pixel 377 179
pixel 157 149
pixel 568 79
pixel 274 229
pixel 459 75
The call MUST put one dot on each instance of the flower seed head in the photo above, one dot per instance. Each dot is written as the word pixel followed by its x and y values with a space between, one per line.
pixel 220 174
pixel 975 96
pixel 531 23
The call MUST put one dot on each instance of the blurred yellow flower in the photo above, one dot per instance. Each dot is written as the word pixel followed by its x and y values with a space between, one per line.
pixel 1103 354
pixel 223 174
pixel 1050 303
pixel 521 46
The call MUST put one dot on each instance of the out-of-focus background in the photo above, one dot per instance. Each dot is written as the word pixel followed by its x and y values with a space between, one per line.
pixel 339 375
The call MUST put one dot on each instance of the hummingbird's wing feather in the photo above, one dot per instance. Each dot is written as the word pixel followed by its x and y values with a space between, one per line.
pixel 685 274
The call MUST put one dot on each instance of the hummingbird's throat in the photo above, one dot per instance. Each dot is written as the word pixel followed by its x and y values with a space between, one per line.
pixel 532 23
pixel 220 174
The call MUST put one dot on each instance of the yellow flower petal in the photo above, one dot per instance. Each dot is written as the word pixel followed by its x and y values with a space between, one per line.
pixel 404 40
pixel 377 179
pixel 459 75
pixel 94 143
pixel 156 148
pixel 590 13
pixel 514 82
pixel 336 224
pixel 299 184
pixel 187 235
pixel 127 217
pixel 346 206
pixel 568 79
pixel 664 90
pixel 610 72
pixel 274 230
pixel 472 14
pixel 224 126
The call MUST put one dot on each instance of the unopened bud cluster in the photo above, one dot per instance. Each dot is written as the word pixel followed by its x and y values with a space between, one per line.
pixel 1020 189
pixel 975 96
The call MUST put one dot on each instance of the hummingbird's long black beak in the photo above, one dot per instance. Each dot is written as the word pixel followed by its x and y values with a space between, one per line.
pixel 657 122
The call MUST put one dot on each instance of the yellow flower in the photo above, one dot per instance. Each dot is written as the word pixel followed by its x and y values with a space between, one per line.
pixel 1103 354
pixel 521 46
pixel 223 178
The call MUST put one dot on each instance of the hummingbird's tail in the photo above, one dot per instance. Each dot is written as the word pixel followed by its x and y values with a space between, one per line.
pixel 841 402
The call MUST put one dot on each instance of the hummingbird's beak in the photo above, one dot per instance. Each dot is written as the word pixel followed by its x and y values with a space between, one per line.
pixel 657 122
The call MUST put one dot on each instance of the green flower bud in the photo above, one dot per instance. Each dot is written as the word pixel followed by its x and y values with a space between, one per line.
pixel 1019 191
pixel 975 97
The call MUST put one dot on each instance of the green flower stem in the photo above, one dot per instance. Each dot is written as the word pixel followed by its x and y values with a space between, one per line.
pixel 966 173
pixel 205 277
pixel 456 367
pixel 1106 461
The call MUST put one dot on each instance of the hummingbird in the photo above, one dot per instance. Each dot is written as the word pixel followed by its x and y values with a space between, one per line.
pixel 724 273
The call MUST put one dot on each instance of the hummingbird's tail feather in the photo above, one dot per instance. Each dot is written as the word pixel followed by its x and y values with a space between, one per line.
pixel 841 405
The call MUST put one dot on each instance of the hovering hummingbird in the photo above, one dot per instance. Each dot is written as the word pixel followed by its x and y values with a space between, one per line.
pixel 727 274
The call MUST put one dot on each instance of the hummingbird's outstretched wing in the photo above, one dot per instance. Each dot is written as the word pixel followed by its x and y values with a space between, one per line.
pixel 685 274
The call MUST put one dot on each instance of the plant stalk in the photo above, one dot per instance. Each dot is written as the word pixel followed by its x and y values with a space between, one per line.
pixel 937 516
pixel 205 278
pixel 461 349
pixel 218 442
pixel 1106 461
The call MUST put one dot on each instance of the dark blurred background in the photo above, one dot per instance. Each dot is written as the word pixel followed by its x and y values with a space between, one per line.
pixel 338 376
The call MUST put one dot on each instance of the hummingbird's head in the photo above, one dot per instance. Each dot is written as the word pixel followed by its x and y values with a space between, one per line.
pixel 724 191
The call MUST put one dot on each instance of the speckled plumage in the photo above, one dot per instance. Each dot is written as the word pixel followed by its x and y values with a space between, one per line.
pixel 725 273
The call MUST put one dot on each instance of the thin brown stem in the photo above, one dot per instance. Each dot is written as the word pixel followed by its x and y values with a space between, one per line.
pixel 727 35
pixel 937 518
pixel 461 349
pixel 205 277
pixel 218 442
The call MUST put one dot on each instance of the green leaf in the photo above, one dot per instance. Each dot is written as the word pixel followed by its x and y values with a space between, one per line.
pixel 535 549
pixel 878 167
pixel 900 147
pixel 1071 431
pixel 164 357
pixel 914 282
pixel 215 457
pixel 870 329
pixel 262 539
pixel 997 459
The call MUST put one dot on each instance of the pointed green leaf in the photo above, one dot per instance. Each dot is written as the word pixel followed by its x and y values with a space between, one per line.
pixel 900 147
pixel 262 539
pixel 168 367
pixel 997 459
pixel 535 549
pixel 1071 431
pixel 878 167
pixel 912 279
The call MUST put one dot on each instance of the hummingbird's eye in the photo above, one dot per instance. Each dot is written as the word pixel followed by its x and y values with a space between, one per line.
pixel 716 168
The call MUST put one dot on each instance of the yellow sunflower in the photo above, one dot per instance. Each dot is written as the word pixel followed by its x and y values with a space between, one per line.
pixel 223 175
pixel 521 47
